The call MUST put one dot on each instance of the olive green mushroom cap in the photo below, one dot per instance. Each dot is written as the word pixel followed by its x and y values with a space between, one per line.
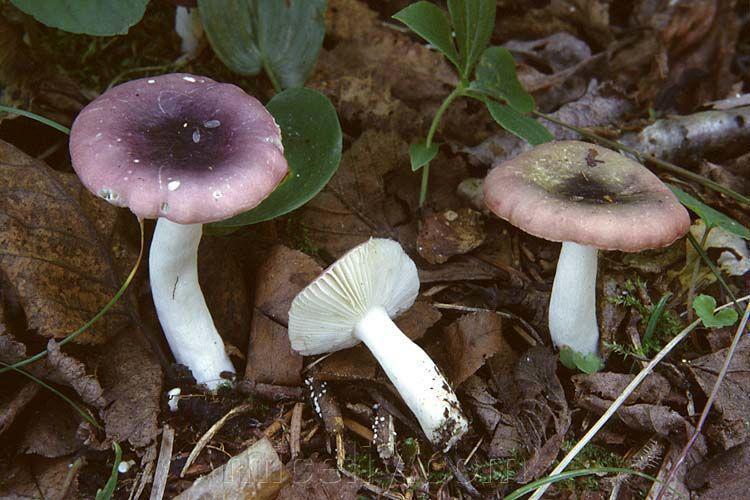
pixel 583 193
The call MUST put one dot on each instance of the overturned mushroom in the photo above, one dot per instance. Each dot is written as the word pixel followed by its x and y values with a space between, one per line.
pixel 589 198
pixel 352 302
pixel 186 150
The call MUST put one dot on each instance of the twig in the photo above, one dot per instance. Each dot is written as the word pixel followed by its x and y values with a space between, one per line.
pixel 162 465
pixel 621 399
pixel 275 427
pixel 210 433
pixel 359 429
pixel 295 429
pixel 712 397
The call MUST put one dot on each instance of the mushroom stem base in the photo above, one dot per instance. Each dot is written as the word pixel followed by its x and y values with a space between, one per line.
pixel 182 309
pixel 572 306
pixel 419 382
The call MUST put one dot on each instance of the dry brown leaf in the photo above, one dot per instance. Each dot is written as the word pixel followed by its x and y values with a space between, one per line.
pixel 452 232
pixel 469 342
pixel 12 403
pixel 52 254
pixel 270 358
pixel 39 478
pixel 354 207
pixel 51 429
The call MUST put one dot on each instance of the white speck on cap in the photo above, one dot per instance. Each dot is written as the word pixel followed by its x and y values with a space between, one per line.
pixel 173 185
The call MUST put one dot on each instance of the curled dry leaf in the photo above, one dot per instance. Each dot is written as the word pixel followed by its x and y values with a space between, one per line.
pixel 469 342
pixel 722 476
pixel 52 254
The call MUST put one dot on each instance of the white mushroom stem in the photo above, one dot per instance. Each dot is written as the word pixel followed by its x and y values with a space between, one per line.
pixel 187 24
pixel 419 382
pixel 572 307
pixel 182 310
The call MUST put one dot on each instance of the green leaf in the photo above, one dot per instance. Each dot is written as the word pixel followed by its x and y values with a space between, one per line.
pixel 520 125
pixel 420 155
pixel 587 363
pixel 704 306
pixel 473 21
pixel 656 313
pixel 311 135
pixel 109 488
pixel 282 37
pixel 496 77
pixel 711 217
pixel 92 17
pixel 431 23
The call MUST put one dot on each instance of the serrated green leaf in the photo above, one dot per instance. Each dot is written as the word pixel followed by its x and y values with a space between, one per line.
pixel 431 23
pixel 311 135
pixel 711 217
pixel 109 488
pixel 92 17
pixel 284 37
pixel 520 125
pixel 473 21
pixel 496 77
pixel 586 363
pixel 704 306
pixel 420 155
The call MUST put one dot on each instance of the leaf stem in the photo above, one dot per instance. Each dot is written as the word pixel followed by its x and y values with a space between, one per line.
pixel 34 116
pixel 102 312
pixel 664 165
pixel 457 92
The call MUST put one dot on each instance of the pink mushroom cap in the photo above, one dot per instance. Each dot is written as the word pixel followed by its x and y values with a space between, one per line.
pixel 579 192
pixel 178 146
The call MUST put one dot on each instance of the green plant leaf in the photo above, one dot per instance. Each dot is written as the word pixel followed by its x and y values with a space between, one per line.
pixel 704 306
pixel 656 313
pixel 92 17
pixel 109 488
pixel 496 77
pixel 587 363
pixel 520 125
pixel 431 23
pixel 311 135
pixel 283 37
pixel 711 217
pixel 473 21
pixel 420 155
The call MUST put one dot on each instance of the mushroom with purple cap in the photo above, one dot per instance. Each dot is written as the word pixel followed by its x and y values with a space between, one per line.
pixel 188 151
pixel 353 301
pixel 589 198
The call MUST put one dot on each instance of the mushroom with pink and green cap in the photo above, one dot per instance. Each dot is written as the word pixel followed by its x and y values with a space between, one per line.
pixel 353 301
pixel 185 150
pixel 589 198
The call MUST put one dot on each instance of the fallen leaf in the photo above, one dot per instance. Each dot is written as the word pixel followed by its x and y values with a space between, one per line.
pixel 723 476
pixel 39 478
pixel 51 429
pixel 469 342
pixel 730 424
pixel 654 389
pixel 270 358
pixel 449 233
pixel 52 255
pixel 283 274
pixel 257 472
pixel 353 207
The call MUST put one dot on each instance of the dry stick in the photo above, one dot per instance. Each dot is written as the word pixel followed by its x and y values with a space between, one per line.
pixel 162 465
pixel 711 399
pixel 621 399
pixel 359 429
pixel 664 165
pixel 210 433
pixel 295 430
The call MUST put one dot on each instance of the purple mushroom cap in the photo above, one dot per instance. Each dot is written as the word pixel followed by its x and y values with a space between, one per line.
pixel 178 146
